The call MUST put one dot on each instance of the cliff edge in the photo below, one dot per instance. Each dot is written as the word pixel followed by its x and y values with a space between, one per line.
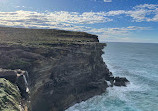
pixel 63 67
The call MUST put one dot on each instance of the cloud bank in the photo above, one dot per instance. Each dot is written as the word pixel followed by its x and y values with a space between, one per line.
pixel 140 13
pixel 79 21
pixel 50 19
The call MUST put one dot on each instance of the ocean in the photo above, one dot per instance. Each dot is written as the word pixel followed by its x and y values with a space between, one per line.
pixel 138 62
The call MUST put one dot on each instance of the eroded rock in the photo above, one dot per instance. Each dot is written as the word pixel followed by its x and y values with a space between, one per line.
pixel 120 81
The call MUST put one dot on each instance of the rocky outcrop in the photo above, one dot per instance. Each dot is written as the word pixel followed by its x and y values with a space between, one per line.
pixel 18 77
pixel 64 67
pixel 120 81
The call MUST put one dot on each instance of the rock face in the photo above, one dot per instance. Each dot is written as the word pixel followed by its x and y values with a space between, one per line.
pixel 64 67
pixel 78 74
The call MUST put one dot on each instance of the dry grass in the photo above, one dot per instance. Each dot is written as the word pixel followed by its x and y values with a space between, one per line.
pixel 43 36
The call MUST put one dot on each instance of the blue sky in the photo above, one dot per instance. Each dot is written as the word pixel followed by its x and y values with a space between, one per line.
pixel 112 20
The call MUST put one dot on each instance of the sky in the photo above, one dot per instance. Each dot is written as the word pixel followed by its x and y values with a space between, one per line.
pixel 111 20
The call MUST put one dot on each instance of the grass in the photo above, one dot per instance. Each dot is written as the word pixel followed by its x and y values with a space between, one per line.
pixel 37 37
pixel 9 96
pixel 19 64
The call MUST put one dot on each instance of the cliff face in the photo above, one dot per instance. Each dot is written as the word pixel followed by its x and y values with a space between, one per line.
pixel 64 67
pixel 72 74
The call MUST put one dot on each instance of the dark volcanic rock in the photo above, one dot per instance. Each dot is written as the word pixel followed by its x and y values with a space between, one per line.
pixel 120 81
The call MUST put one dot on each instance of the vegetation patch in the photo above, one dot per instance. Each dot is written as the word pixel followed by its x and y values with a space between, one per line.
pixel 9 96
pixel 19 64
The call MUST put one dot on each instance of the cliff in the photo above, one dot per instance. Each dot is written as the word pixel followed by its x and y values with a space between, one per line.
pixel 63 67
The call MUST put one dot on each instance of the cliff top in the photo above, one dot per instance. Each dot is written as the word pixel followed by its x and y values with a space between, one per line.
pixel 43 36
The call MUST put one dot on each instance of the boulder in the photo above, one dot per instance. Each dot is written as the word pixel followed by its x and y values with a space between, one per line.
pixel 120 81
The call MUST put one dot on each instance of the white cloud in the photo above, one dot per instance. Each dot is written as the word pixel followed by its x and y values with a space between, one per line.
pixel 144 12
pixel 117 31
pixel 139 13
pixel 118 34
pixel 149 6
pixel 54 17
pixel 107 0
pixel 62 19
pixel 77 18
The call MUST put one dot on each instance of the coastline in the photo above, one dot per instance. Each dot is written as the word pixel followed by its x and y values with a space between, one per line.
pixel 63 67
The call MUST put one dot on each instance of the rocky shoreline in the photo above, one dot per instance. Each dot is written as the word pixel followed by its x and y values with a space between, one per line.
pixel 60 68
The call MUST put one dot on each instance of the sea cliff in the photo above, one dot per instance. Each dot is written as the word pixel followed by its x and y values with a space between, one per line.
pixel 63 67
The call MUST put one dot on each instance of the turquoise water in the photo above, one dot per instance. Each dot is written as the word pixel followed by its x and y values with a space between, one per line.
pixel 138 63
